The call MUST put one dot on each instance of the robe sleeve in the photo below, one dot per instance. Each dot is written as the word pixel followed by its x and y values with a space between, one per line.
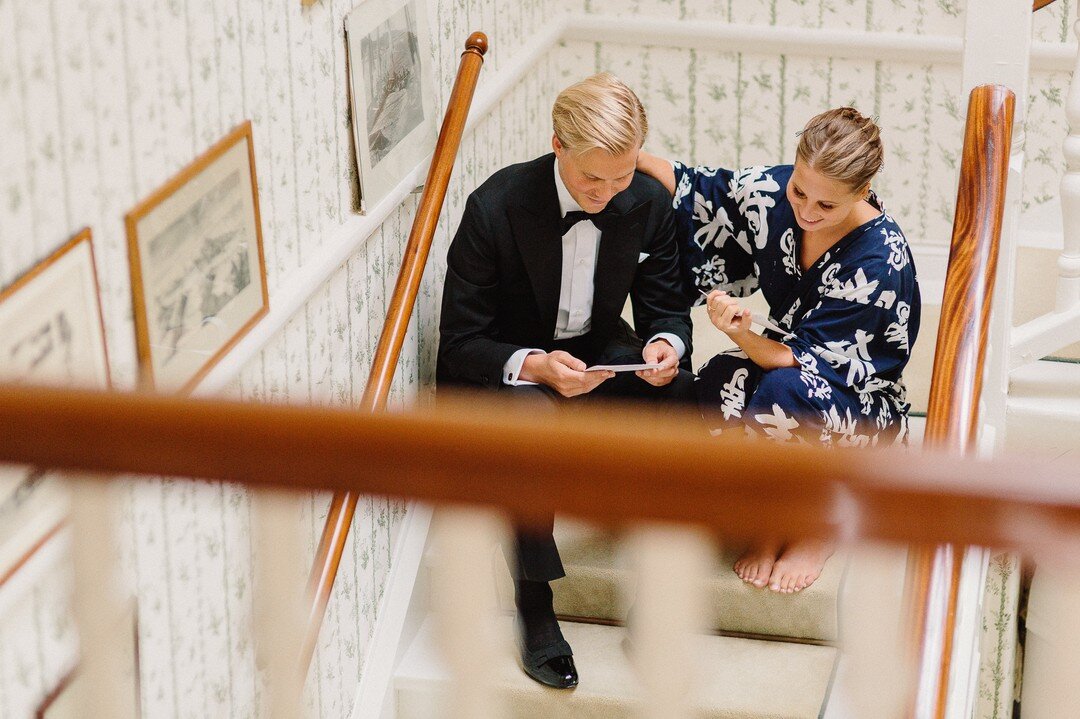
pixel 716 233
pixel 858 334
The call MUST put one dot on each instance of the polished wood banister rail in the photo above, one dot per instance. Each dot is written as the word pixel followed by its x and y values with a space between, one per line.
pixel 1040 4
pixel 343 505
pixel 740 488
pixel 952 418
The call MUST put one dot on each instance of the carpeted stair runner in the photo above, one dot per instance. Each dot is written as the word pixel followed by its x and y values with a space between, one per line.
pixel 598 586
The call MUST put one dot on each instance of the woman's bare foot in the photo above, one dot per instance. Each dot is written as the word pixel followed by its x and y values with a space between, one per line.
pixel 755 566
pixel 799 565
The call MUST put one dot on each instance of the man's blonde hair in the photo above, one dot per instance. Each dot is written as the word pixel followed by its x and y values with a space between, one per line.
pixel 599 112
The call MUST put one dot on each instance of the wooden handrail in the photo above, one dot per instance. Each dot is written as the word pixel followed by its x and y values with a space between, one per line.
pixel 1040 4
pixel 742 489
pixel 343 505
pixel 952 418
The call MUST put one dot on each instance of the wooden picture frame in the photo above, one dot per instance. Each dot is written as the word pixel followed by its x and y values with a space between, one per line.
pixel 391 93
pixel 198 270
pixel 52 332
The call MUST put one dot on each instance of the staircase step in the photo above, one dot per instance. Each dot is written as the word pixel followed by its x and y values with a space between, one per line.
pixel 596 586
pixel 738 679
pixel 1043 410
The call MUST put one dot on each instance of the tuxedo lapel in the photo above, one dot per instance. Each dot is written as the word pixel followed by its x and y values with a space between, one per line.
pixel 616 262
pixel 534 221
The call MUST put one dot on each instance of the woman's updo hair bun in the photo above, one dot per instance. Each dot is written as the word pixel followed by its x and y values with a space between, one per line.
pixel 844 145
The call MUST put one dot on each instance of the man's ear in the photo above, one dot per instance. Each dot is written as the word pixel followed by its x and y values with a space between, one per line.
pixel 556 145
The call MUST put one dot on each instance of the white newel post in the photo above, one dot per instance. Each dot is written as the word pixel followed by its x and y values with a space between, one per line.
pixel 1068 293
pixel 997 49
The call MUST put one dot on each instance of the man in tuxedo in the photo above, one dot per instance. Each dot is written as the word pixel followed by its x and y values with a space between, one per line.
pixel 537 276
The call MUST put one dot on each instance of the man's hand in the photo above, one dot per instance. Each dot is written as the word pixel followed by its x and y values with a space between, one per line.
pixel 662 353
pixel 727 316
pixel 563 372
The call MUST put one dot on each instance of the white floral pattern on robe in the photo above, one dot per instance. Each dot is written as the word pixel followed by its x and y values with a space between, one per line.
pixel 854 314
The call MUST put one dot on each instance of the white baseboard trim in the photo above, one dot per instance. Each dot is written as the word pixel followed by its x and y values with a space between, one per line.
pixel 401 613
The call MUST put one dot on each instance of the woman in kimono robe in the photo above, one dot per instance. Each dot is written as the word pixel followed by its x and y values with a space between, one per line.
pixel 838 276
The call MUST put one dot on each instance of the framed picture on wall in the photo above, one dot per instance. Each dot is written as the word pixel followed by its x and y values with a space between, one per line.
pixel 198 273
pixel 393 112
pixel 51 333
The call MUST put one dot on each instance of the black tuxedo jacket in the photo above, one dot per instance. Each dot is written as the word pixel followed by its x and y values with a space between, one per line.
pixel 504 271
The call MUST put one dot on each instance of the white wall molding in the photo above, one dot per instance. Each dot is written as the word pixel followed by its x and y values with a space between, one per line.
pixel 764 39
pixel 297 290
pixel 810 42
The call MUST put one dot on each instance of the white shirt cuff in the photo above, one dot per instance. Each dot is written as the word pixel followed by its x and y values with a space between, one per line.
pixel 512 368
pixel 675 342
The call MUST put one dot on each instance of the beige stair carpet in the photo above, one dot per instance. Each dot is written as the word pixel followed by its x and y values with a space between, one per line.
pixel 597 586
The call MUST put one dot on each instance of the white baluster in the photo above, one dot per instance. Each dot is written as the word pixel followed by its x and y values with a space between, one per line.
pixel 874 677
pixel 278 619
pixel 668 616
pixel 105 644
pixel 1068 295
pixel 470 638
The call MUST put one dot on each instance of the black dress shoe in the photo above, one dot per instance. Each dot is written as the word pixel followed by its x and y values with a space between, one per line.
pixel 558 671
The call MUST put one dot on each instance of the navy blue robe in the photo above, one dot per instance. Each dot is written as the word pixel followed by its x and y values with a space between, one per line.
pixel 853 316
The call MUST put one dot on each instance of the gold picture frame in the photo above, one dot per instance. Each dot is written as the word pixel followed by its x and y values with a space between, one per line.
pixel 198 269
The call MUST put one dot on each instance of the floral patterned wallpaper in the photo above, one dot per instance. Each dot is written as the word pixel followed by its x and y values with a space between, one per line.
pixel 734 109
pixel 101 101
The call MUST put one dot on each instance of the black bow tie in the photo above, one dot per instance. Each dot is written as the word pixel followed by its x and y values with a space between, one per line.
pixel 600 219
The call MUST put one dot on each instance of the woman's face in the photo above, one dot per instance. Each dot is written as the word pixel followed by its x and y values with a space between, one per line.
pixel 821 203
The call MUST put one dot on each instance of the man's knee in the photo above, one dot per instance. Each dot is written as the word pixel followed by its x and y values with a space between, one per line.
pixel 529 398
pixel 533 398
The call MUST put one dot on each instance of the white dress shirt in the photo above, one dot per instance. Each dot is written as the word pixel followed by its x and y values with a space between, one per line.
pixel 580 247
